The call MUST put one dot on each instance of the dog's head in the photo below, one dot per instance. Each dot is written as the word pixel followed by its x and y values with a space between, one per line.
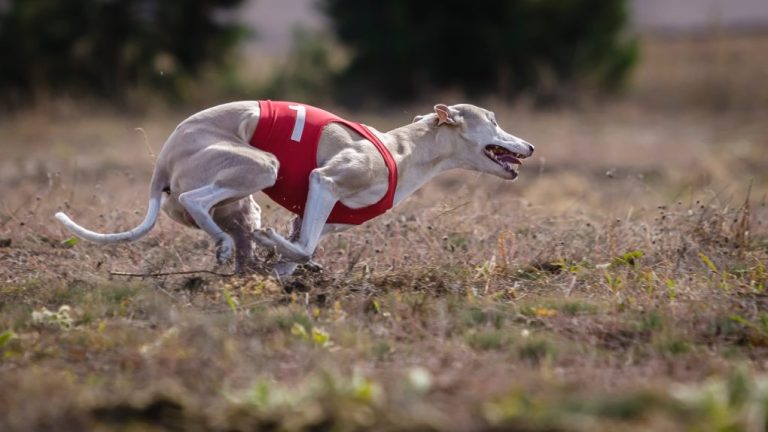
pixel 477 139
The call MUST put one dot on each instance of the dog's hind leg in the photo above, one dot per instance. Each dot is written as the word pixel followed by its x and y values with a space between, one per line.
pixel 286 268
pixel 239 220
pixel 216 178
pixel 199 203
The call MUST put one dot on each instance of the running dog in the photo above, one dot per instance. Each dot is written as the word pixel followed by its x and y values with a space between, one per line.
pixel 332 173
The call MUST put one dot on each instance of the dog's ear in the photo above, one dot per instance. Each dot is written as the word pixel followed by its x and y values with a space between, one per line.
pixel 446 115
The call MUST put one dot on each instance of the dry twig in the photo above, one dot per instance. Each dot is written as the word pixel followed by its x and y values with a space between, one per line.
pixel 173 273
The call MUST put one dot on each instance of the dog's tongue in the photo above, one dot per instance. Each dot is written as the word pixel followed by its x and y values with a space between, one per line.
pixel 508 158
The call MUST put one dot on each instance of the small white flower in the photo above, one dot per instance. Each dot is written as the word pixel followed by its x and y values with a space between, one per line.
pixel 420 379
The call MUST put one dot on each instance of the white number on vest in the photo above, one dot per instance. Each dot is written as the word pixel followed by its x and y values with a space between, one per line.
pixel 301 117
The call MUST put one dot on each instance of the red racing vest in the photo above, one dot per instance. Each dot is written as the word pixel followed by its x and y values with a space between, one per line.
pixel 291 132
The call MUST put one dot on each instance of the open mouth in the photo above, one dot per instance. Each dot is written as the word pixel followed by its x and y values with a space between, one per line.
pixel 508 160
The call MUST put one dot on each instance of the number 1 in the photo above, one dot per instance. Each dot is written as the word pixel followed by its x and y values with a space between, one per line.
pixel 301 117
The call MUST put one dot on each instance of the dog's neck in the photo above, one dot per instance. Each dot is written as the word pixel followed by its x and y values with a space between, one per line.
pixel 421 151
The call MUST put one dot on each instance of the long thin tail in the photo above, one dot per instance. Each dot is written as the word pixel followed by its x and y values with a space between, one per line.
pixel 156 192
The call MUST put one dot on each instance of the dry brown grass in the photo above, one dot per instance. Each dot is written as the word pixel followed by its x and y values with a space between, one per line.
pixel 618 285
pixel 712 71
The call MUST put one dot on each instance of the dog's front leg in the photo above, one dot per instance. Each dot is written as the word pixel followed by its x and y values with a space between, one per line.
pixel 320 202
pixel 285 267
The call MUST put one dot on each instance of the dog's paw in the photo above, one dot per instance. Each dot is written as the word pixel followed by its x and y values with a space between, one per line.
pixel 269 238
pixel 224 248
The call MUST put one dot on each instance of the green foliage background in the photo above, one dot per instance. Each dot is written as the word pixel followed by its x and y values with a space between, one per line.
pixel 399 49
pixel 104 48
pixel 403 48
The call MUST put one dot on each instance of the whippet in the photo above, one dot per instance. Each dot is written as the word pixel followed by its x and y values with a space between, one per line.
pixel 213 162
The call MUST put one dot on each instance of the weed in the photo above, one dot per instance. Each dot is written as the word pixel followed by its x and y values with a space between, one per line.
pixel 479 316
pixel 758 277
pixel 544 310
pixel 631 259
pixel 315 336
pixel 671 286
pixel 758 328
pixel 70 242
pixel 231 303
pixel 651 321
pixel 286 319
pixel 614 282
pixel 321 337
pixel 673 345
pixel 6 337
pixel 489 340
pixel 537 350
pixel 576 308
pixel 60 319
pixel 381 349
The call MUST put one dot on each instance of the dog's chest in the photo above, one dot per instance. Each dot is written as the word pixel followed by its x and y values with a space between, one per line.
pixel 365 197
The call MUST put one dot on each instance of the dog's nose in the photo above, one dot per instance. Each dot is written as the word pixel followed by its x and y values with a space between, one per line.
pixel 531 147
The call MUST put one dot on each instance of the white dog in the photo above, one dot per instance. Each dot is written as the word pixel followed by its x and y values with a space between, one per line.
pixel 332 173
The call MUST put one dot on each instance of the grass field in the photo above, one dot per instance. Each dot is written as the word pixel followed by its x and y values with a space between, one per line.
pixel 619 284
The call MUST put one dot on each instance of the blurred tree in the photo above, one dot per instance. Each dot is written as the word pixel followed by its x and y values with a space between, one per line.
pixel 403 48
pixel 104 47
pixel 307 72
